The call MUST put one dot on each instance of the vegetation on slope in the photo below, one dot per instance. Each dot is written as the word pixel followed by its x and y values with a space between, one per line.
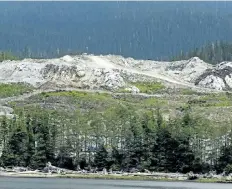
pixel 7 56
pixel 145 87
pixel 14 89
pixel 73 129
pixel 149 87
pixel 212 100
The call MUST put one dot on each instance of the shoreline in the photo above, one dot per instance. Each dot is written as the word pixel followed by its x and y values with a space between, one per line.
pixel 112 177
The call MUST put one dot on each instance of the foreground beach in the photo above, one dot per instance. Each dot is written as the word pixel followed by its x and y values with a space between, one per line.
pixel 124 176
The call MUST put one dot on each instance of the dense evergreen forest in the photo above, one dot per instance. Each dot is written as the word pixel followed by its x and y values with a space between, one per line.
pixel 213 53
pixel 119 139
pixel 142 30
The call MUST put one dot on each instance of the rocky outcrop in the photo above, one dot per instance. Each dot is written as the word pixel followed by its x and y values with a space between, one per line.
pixel 192 176
pixel 132 89
pixel 219 78
pixel 112 72
pixel 51 169
pixel 188 70
pixel 57 170
pixel 6 111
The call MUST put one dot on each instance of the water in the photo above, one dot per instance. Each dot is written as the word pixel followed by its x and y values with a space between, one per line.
pixel 56 183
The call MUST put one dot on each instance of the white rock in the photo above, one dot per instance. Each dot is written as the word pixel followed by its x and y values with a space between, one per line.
pixel 67 58
pixel 223 65
pixel 213 82
pixel 228 80
pixel 188 70
pixel 97 72
pixel 132 89
pixel 112 72
pixel 113 80
pixel 7 111
pixel 135 90
pixel 81 73
pixel 104 172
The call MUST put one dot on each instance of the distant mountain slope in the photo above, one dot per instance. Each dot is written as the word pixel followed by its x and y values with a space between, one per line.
pixel 213 53
pixel 145 30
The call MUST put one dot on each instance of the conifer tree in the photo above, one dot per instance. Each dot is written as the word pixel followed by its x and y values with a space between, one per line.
pixel 101 158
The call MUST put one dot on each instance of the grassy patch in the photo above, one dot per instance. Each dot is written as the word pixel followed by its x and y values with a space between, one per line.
pixel 116 177
pixel 68 100
pixel 122 90
pixel 104 97
pixel 14 89
pixel 216 100
pixel 189 92
pixel 154 102
pixel 212 100
pixel 149 87
pixel 78 94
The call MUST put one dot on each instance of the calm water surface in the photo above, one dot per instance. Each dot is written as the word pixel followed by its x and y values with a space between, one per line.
pixel 55 183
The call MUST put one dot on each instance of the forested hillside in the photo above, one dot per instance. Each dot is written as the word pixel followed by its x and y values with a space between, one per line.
pixel 143 30
pixel 214 53
pixel 77 129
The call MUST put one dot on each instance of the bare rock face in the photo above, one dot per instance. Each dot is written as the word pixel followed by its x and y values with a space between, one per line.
pixel 213 82
pixel 62 72
pixel 112 72
pixel 220 77
pixel 85 71
pixel 113 80
pixel 67 58
pixel 228 80
pixel 6 111
pixel 188 70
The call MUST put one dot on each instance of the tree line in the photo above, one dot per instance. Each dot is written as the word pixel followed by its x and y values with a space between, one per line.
pixel 7 56
pixel 213 53
pixel 121 138
pixel 27 52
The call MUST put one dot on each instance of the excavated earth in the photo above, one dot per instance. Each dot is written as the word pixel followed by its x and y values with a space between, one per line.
pixel 111 72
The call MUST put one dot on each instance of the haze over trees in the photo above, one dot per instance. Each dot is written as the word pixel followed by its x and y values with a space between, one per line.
pixel 213 53
pixel 142 30
pixel 7 56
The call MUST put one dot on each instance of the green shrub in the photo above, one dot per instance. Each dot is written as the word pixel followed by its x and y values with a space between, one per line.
pixel 149 87
pixel 13 89
pixel 228 169
pixel 188 92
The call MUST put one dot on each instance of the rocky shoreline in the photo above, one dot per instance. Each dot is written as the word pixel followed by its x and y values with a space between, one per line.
pixel 55 172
